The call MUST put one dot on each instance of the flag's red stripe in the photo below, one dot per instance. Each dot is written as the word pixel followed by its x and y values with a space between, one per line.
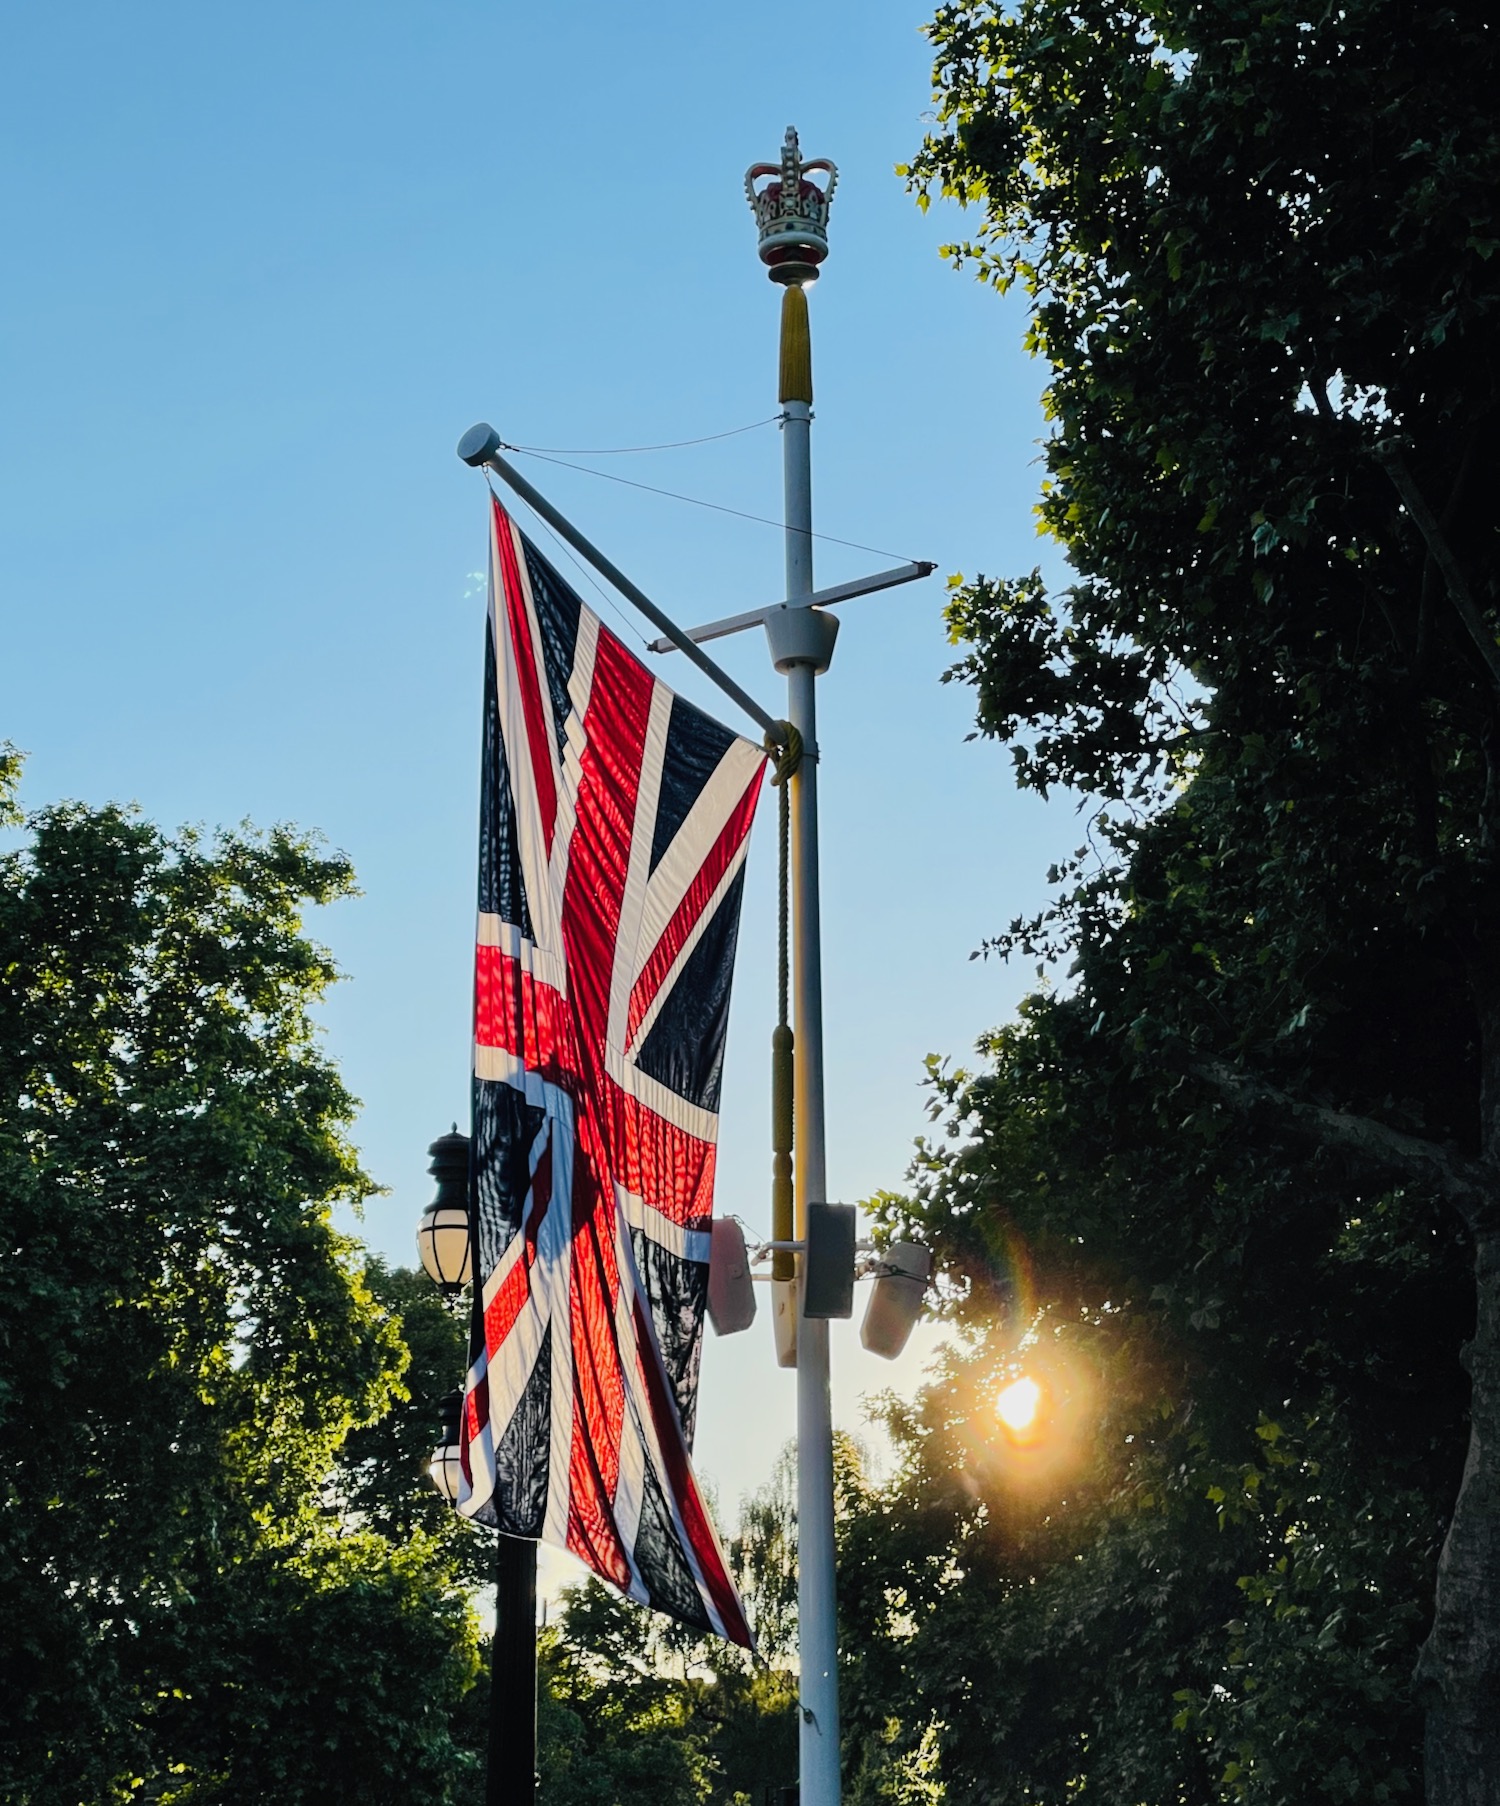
pixel 527 666
pixel 685 1488
pixel 689 911
pixel 655 1160
pixel 614 733
pixel 476 1416
pixel 598 1388
pixel 614 737
pixel 515 1014
pixel 510 1297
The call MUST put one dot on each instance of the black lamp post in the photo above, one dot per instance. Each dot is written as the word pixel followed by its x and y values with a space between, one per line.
pixel 446 1243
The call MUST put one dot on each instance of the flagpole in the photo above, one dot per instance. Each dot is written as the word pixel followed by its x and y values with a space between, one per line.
pixel 817 1615
pixel 793 216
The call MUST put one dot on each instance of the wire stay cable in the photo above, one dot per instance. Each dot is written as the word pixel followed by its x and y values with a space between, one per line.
pixel 621 451
pixel 608 476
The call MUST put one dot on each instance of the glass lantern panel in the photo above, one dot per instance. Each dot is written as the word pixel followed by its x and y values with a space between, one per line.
pixel 443 1243
pixel 445 1470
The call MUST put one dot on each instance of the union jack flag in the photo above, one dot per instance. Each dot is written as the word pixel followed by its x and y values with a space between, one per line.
pixel 614 818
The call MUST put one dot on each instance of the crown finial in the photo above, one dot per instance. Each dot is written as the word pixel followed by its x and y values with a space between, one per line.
pixel 792 213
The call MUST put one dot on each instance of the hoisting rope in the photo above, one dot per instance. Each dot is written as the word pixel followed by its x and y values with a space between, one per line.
pixel 785 758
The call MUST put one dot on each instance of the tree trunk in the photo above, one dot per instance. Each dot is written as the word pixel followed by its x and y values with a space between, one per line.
pixel 1458 1675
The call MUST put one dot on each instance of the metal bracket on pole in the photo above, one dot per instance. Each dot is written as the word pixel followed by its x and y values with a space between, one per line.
pixel 820 598
pixel 480 448
pixel 801 636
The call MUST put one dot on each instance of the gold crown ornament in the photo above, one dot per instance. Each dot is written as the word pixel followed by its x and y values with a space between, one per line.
pixel 792 213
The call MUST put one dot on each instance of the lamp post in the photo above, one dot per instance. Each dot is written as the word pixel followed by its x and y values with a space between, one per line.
pixel 445 1242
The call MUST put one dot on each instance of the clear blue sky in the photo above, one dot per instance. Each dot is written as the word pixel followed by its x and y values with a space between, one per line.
pixel 264 265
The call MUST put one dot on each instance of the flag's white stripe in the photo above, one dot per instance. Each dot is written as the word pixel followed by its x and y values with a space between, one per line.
pixel 546 1316
pixel 512 1363
pixel 704 1124
pixel 628 951
pixel 686 1244
pixel 495 931
pixel 685 952
pixel 476 1492
pixel 692 843
pixel 544 878
pixel 497 1063
pixel 533 622
pixel 510 1369
pixel 558 1283
pixel 517 1355
pixel 530 840
pixel 580 688
pixel 630 1486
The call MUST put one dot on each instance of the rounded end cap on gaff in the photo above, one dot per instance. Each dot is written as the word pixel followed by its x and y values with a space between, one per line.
pixel 478 444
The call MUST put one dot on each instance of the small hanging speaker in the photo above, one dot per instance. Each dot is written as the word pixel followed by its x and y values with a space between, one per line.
pixel 896 1298
pixel 731 1289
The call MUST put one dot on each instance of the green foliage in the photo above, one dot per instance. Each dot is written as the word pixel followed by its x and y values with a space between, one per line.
pixel 630 1711
pixel 1203 1184
pixel 185 1614
pixel 382 1483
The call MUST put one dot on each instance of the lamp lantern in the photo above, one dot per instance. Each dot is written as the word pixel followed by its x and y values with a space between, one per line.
pixel 445 1464
pixel 443 1239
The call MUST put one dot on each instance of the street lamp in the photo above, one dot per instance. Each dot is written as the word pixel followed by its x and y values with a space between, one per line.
pixel 445 1243
pixel 445 1465
pixel 443 1233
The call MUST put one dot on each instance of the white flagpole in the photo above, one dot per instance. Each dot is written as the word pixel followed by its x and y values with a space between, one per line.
pixel 793 217
pixel 816 1601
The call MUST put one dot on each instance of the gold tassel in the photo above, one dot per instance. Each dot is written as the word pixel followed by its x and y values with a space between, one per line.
pixel 796 347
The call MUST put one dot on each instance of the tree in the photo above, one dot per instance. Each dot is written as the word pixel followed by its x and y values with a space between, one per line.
pixel 1255 1137
pixel 382 1483
pixel 185 1614
pixel 634 1708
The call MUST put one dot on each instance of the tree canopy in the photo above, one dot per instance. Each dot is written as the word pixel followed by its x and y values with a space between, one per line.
pixel 191 1610
pixel 1230 1179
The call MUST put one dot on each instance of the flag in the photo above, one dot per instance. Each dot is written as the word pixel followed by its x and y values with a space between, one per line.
pixel 614 818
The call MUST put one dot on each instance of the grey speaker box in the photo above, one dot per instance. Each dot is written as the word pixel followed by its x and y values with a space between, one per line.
pixel 731 1289
pixel 828 1289
pixel 896 1299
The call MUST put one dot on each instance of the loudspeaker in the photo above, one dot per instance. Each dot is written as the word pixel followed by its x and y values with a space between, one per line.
pixel 828 1288
pixel 896 1298
pixel 731 1289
